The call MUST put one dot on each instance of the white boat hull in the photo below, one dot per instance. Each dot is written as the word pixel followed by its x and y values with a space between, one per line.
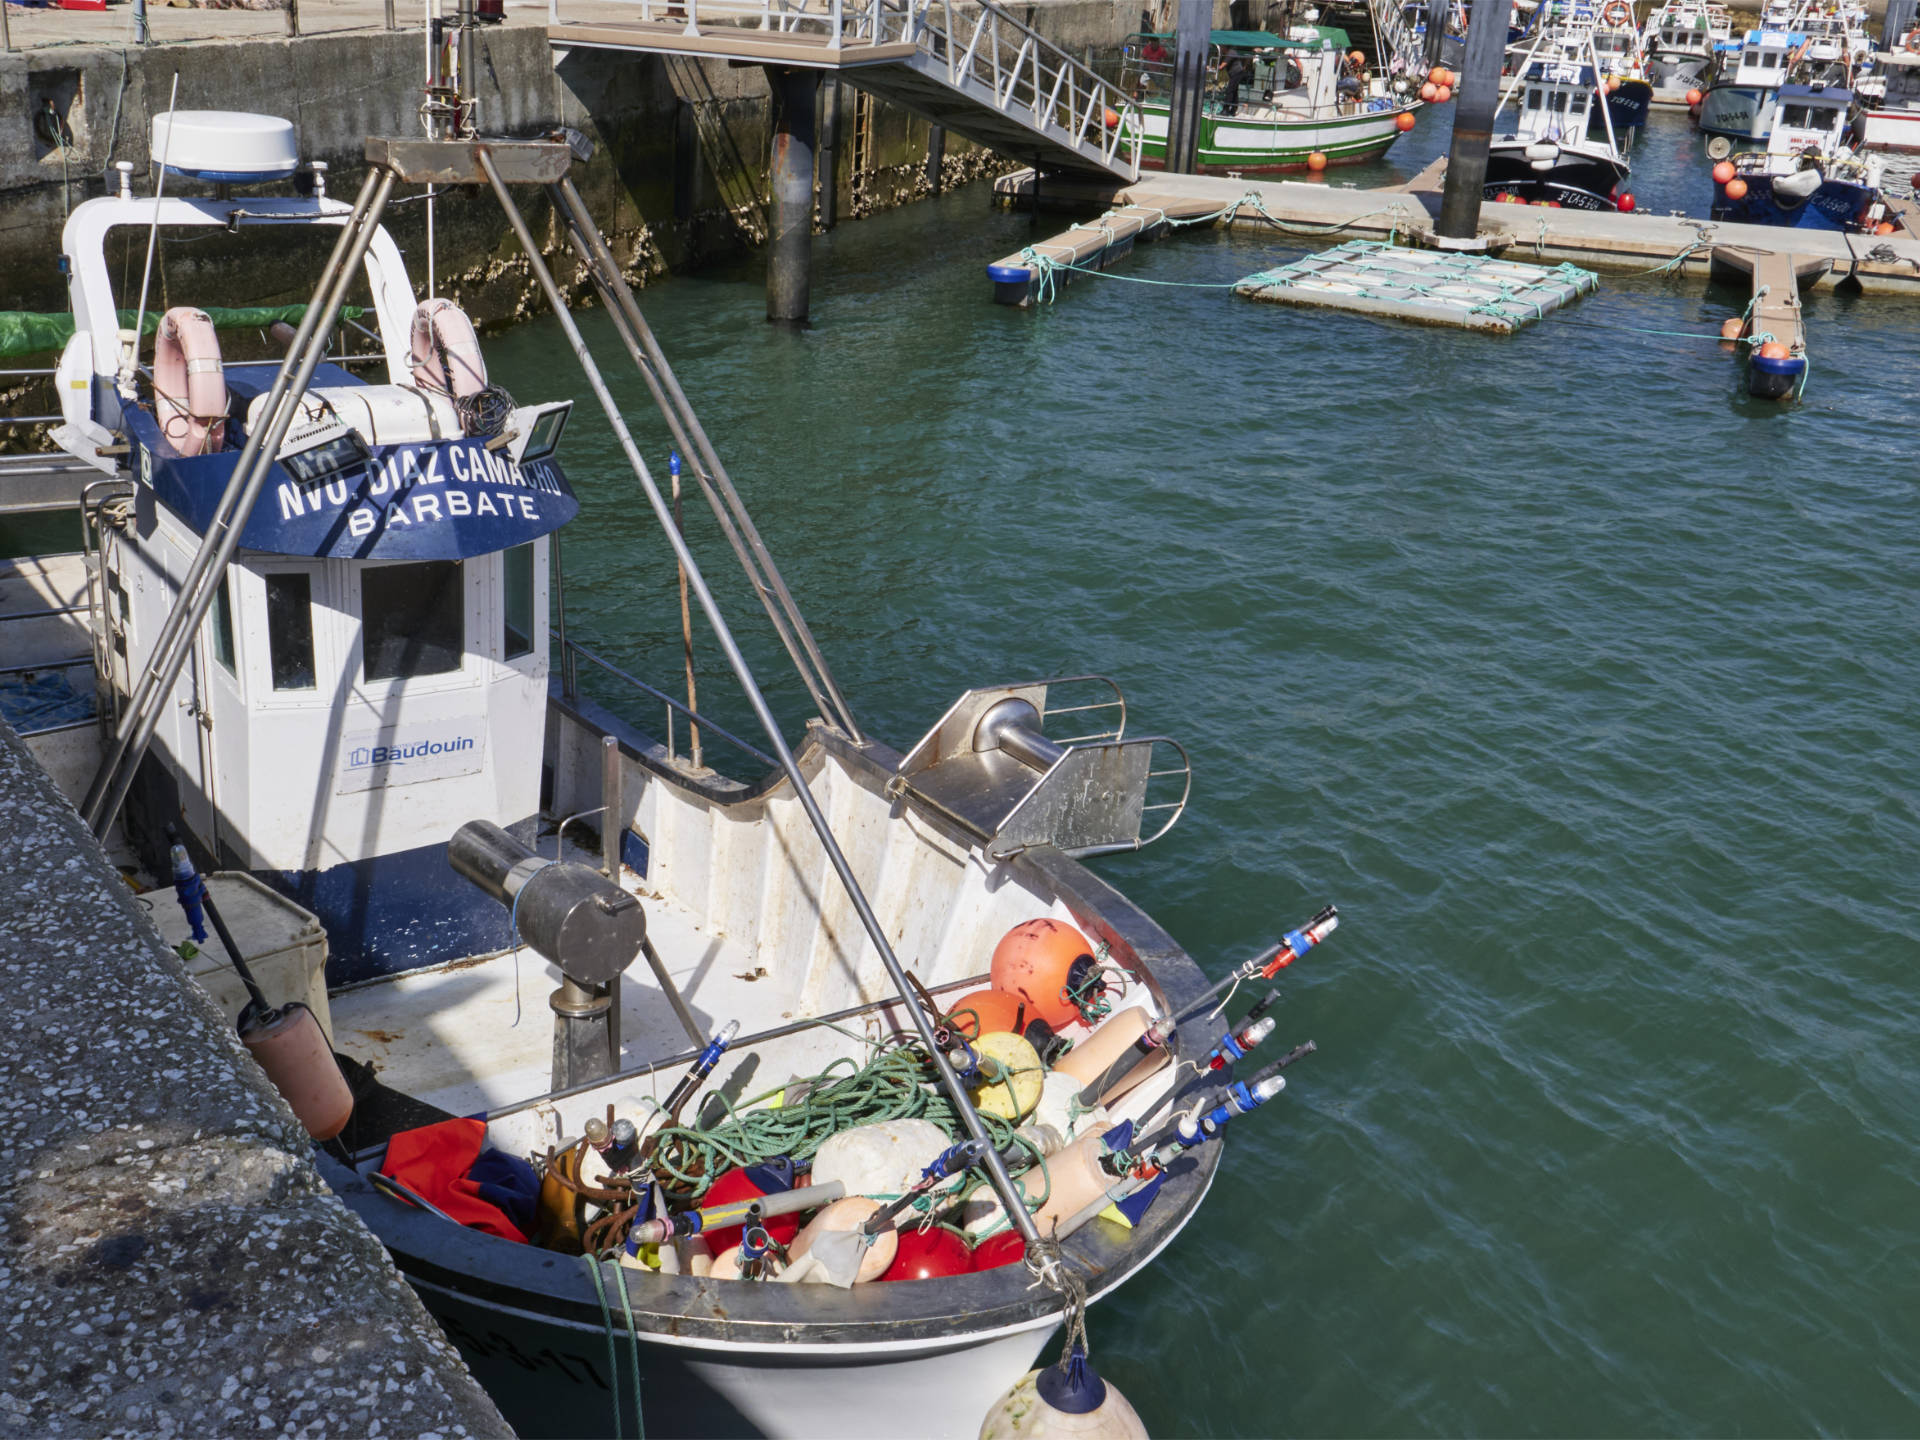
pixel 1890 130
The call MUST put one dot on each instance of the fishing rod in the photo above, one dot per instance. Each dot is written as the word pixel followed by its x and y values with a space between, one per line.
pixel 1293 945
pixel 1204 1121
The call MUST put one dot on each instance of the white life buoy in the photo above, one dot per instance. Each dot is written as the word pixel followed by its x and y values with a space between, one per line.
pixel 189 382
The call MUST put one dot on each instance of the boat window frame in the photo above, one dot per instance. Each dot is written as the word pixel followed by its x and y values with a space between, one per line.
pixel 524 661
pixel 478 653
pixel 268 575
pixel 462 575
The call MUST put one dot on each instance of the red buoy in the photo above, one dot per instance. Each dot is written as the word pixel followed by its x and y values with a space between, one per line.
pixel 1736 189
pixel 736 1185
pixel 1112 118
pixel 1694 97
pixel 1405 122
pixel 929 1255
pixel 1723 172
pixel 1003 1249
pixel 1443 94
pixel 1626 203
pixel 1316 162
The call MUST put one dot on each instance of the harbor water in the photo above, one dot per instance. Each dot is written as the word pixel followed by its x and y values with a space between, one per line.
pixel 1581 682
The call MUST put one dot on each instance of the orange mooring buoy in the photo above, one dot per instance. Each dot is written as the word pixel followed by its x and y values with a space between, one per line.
pixel 1428 91
pixel 1723 172
pixel 1438 75
pixel 987 1012
pixel 1316 162
pixel 1405 122
pixel 1773 350
pixel 1443 94
pixel 1732 329
pixel 1694 97
pixel 1736 189
pixel 1036 961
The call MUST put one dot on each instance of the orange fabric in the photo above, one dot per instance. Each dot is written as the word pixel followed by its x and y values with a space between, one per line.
pixel 433 1161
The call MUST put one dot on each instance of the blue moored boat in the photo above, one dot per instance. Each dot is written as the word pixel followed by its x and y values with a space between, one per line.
pixel 1807 177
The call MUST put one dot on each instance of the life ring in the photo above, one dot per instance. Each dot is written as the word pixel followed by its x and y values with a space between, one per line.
pixel 189 382
pixel 1618 14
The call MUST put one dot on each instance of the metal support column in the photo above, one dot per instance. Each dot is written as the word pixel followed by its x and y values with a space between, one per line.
pixel 1437 14
pixel 790 184
pixel 1193 40
pixel 936 155
pixel 1473 111
pixel 830 153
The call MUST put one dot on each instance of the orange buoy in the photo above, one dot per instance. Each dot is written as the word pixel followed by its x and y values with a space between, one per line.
pixel 1405 122
pixel 1694 97
pixel 1438 74
pixel 1773 350
pixel 1885 227
pixel 1359 57
pixel 988 1012
pixel 1316 162
pixel 1553 204
pixel 1443 94
pixel 1112 119
pixel 1736 189
pixel 1428 91
pixel 1732 329
pixel 1723 172
pixel 1613 84
pixel 1036 961
pixel 1626 203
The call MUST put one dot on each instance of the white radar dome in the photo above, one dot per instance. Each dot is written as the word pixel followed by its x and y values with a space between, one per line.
pixel 225 145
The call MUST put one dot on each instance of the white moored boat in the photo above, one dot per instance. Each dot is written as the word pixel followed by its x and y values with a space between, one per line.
pixel 377 731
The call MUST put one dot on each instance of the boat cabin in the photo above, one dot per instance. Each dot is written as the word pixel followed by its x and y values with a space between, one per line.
pixel 1891 119
pixel 1810 119
pixel 373 670
pixel 1555 101
pixel 1687 32
pixel 1766 56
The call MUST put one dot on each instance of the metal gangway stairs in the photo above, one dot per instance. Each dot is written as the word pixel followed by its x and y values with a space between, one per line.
pixel 973 69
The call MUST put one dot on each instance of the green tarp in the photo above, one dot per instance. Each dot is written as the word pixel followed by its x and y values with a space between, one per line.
pixel 1254 39
pixel 25 332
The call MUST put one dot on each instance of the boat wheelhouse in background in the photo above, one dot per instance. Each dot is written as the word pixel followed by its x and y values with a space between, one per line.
pixel 1889 101
pixel 1274 101
pixel 1738 103
pixel 1544 148
pixel 1677 44
pixel 1807 177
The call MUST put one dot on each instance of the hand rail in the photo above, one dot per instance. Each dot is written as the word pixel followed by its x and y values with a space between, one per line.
pixel 1024 73
pixel 693 716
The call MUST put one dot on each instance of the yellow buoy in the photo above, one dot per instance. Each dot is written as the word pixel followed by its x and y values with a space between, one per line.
pixel 1011 1076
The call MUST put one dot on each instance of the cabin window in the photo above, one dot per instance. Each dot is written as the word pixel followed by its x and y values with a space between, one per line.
pixel 1796 117
pixel 413 619
pixel 290 630
pixel 223 623
pixel 1560 102
pixel 1533 99
pixel 516 566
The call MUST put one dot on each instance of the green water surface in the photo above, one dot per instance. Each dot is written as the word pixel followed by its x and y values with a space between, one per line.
pixel 1585 685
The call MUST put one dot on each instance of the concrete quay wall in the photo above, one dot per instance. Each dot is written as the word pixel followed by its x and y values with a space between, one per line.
pixel 679 176
pixel 172 1262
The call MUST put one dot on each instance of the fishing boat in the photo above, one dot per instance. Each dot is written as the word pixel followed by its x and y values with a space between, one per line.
pixel 1678 46
pixel 1616 46
pixel 1547 151
pixel 1276 101
pixel 1807 177
pixel 324 607
pixel 1737 106
pixel 1889 117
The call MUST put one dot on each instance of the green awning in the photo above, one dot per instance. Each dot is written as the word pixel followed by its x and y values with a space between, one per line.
pixel 27 332
pixel 1252 39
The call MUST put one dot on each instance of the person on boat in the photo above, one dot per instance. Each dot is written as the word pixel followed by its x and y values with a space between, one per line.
pixel 1153 59
pixel 1236 72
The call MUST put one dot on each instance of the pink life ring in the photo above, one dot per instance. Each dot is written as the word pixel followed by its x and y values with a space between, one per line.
pixel 446 351
pixel 189 383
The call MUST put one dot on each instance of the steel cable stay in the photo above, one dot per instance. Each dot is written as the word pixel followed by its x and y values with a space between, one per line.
pixel 1003 1183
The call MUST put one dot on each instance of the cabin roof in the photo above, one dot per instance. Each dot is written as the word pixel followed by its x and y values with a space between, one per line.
pixel 1828 93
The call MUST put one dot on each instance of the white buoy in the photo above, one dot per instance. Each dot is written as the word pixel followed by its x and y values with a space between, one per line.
pixel 1063 1400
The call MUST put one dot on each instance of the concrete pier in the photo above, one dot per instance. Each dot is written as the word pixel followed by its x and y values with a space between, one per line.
pixel 1305 214
pixel 173 1264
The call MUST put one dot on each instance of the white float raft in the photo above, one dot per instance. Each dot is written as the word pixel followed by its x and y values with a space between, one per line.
pixel 1429 287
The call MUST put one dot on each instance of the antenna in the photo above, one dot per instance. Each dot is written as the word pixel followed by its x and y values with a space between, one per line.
pixel 130 362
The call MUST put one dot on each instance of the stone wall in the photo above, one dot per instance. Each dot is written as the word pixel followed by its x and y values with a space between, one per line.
pixel 678 178
pixel 171 1260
